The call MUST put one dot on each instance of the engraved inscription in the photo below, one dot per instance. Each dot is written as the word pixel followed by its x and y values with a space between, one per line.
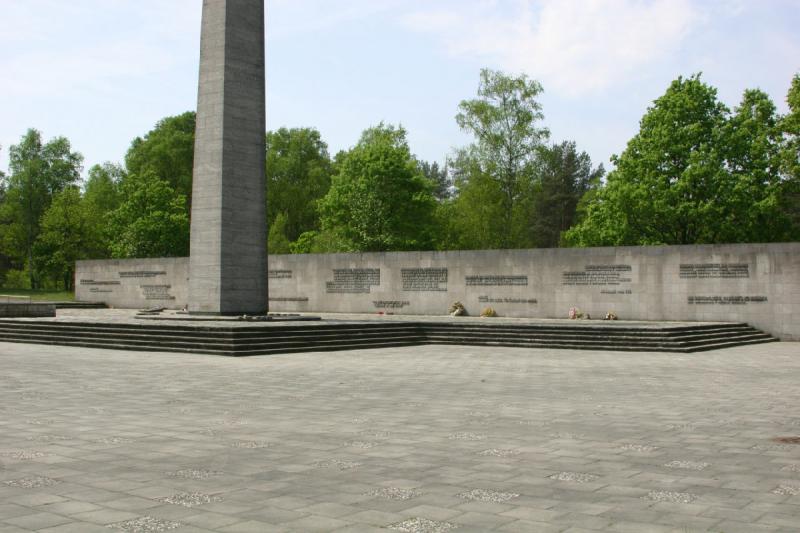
pixel 714 270
pixel 279 274
pixel 424 279
pixel 490 300
pixel 390 304
pixel 142 273
pixel 156 292
pixel 353 280
pixel 726 300
pixel 289 299
pixel 496 281
pixel 597 275
pixel 93 282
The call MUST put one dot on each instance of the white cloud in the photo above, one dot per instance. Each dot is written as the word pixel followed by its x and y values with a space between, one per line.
pixel 573 46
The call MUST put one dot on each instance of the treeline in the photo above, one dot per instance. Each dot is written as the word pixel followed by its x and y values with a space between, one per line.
pixel 696 172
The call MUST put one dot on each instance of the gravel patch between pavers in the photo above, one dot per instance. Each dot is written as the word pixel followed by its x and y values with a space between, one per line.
pixel 687 465
pixel 145 524
pixel 669 496
pixel 484 495
pixel 422 525
pixel 190 499
pixel 395 493
pixel 23 455
pixel 787 490
pixel 32 482
pixel 574 477
pixel 191 473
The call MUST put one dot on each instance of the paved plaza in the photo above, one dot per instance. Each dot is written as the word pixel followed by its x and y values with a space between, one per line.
pixel 423 439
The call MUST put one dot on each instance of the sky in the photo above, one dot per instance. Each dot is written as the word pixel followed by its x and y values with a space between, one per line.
pixel 102 72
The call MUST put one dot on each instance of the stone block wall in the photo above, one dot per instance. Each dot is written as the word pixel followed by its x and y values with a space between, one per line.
pixel 754 283
pixel 134 283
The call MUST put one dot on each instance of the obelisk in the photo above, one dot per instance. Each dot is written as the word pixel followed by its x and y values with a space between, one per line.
pixel 228 254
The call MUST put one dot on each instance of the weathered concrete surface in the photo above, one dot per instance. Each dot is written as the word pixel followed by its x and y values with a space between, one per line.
pixel 134 283
pixel 754 283
pixel 228 240
pixel 27 310
pixel 486 439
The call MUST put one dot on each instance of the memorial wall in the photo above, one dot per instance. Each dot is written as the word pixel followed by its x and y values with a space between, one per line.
pixel 758 284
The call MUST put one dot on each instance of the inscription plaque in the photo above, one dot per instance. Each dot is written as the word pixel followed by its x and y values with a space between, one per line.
pixel 424 279
pixel 491 300
pixel 353 280
pixel 142 273
pixel 714 270
pixel 390 304
pixel 496 281
pixel 597 275
pixel 725 300
pixel 156 292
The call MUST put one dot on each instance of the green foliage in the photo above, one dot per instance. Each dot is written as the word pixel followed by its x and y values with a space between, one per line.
pixel 504 120
pixel 564 177
pixel 151 220
pixel 278 243
pixel 298 175
pixel 17 279
pixel 102 188
pixel 69 232
pixel 789 199
pixel 379 200
pixel 167 151
pixel 438 178
pixel 695 173
pixel 476 218
pixel 39 171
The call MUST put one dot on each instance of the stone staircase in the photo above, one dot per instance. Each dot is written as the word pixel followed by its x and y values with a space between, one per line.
pixel 287 337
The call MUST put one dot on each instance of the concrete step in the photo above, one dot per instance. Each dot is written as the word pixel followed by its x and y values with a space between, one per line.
pixel 230 345
pixel 288 338
pixel 217 350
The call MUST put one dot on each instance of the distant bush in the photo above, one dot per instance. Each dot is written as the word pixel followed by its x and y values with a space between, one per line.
pixel 17 279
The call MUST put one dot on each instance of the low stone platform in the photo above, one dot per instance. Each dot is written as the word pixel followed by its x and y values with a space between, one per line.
pixel 27 309
pixel 171 331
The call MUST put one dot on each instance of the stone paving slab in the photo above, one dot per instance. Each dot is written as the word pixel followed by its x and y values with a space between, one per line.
pixel 423 439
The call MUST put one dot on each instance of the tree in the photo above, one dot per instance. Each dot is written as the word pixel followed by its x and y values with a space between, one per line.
pixel 39 171
pixel 379 200
pixel 102 189
pixel 504 120
pixel 752 149
pixel 151 220
pixel 475 219
pixel 439 179
pixel 101 196
pixel 278 243
pixel 564 176
pixel 166 151
pixel 298 175
pixel 695 173
pixel 790 159
pixel 69 232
